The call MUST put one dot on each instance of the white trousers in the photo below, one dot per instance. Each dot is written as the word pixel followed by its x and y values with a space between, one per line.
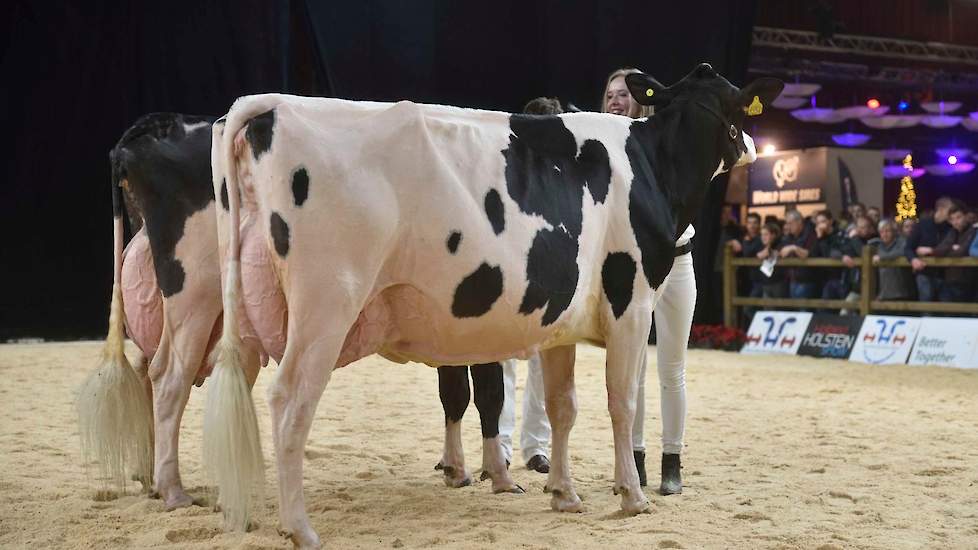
pixel 673 318
pixel 535 428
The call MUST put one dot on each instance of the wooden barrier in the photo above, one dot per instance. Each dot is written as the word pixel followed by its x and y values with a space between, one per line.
pixel 867 292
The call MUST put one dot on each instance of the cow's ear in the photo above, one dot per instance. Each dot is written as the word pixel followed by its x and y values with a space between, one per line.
pixel 647 90
pixel 759 94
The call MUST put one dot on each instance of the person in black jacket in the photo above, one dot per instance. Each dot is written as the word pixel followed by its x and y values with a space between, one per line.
pixel 828 244
pixel 926 235
pixel 751 282
pixel 958 284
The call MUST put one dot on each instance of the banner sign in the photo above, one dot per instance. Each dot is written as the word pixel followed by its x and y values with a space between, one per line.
pixel 947 343
pixel 776 332
pixel 792 177
pixel 885 339
pixel 830 335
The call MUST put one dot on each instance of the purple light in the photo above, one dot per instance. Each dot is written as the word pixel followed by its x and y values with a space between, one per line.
pixel 952 160
pixel 850 139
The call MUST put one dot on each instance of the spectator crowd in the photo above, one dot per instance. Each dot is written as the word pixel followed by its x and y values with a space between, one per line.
pixel 949 231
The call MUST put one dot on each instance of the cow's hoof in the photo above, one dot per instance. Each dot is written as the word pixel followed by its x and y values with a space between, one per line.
pixel 511 488
pixel 562 501
pixel 307 540
pixel 456 478
pixel 182 500
pixel 635 506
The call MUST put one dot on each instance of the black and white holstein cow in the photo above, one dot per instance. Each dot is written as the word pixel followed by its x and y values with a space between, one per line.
pixel 452 236
pixel 167 297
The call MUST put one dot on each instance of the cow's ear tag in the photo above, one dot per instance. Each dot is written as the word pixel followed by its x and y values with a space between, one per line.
pixel 755 108
pixel 650 92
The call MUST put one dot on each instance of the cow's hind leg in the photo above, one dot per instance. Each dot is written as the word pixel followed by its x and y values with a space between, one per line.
pixel 453 390
pixel 558 383
pixel 172 372
pixel 626 345
pixel 487 384
pixel 305 370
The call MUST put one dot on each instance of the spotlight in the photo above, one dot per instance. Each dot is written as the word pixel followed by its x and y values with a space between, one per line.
pixel 768 149
pixel 952 160
pixel 873 103
pixel 903 105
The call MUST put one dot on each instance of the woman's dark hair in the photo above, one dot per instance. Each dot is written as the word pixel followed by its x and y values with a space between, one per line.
pixel 774 229
pixel 543 106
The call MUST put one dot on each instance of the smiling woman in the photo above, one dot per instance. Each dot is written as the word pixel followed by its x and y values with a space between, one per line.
pixel 617 100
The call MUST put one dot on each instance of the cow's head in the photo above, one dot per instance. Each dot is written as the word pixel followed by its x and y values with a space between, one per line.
pixel 714 107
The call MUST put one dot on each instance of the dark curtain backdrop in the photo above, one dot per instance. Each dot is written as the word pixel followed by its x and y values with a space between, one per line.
pixel 76 76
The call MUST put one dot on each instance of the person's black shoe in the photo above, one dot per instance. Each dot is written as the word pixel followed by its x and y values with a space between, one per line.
pixel 539 463
pixel 640 466
pixel 672 479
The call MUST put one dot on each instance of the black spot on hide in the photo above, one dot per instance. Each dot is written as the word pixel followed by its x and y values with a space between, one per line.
pixel 618 279
pixel 453 240
pixel 259 133
pixel 546 176
pixel 224 195
pixel 300 186
pixel 280 234
pixel 495 211
pixel 478 291
pixel 551 272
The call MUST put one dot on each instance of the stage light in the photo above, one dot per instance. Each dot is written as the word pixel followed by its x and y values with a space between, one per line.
pixel 952 160
pixel 903 105
pixel 873 103
pixel 768 149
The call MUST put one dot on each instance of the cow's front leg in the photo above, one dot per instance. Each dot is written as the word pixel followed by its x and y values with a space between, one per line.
pixel 487 384
pixel 625 346
pixel 453 390
pixel 558 383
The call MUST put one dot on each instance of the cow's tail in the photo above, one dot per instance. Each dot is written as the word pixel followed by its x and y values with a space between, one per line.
pixel 115 415
pixel 232 446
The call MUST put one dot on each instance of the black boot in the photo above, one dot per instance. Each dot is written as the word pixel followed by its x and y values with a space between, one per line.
pixel 672 479
pixel 640 466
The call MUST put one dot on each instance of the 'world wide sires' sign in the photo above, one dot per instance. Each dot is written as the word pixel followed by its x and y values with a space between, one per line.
pixel 830 335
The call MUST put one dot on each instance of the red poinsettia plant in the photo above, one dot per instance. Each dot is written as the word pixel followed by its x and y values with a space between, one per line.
pixel 716 337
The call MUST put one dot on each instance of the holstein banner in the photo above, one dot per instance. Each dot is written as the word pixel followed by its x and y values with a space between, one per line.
pixel 776 332
pixel 947 342
pixel 830 335
pixel 885 339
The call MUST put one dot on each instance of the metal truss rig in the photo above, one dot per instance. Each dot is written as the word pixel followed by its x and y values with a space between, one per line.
pixel 865 45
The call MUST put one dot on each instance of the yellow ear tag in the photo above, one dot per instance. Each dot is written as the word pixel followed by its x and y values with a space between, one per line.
pixel 649 92
pixel 755 108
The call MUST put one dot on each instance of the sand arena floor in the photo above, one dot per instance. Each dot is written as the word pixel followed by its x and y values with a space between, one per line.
pixel 782 453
